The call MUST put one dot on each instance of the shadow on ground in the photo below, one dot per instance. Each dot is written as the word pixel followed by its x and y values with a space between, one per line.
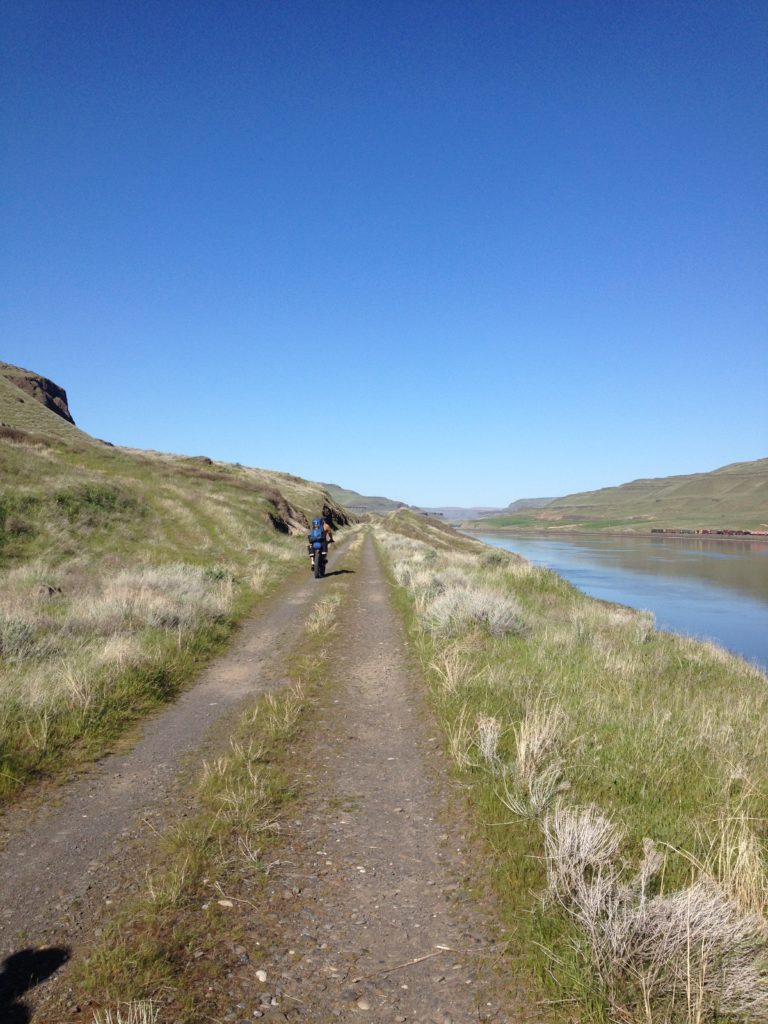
pixel 339 572
pixel 22 971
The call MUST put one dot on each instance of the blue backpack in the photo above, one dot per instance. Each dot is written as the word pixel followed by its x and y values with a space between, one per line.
pixel 317 533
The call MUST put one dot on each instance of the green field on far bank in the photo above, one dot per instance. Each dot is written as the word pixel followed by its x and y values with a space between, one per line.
pixel 734 497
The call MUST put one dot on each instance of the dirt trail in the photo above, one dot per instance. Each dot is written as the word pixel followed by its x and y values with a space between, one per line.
pixel 372 878
pixel 60 862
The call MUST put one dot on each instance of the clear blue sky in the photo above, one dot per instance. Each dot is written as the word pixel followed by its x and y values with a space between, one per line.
pixel 451 252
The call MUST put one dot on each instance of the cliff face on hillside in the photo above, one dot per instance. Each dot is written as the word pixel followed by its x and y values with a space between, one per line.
pixel 40 388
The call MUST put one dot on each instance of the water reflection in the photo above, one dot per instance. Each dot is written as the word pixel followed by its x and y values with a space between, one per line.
pixel 711 589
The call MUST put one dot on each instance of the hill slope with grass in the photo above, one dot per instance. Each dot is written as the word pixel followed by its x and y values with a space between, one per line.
pixel 362 503
pixel 23 410
pixel 733 497
pixel 120 572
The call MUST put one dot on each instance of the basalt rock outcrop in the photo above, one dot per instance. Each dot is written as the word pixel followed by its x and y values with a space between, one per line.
pixel 45 391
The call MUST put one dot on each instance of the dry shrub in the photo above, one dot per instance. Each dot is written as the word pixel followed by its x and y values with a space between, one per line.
pixel 452 669
pixel 119 651
pixel 258 578
pixel 457 609
pixel 488 730
pixel 538 737
pixel 735 860
pixel 461 739
pixel 530 784
pixel 690 955
pixel 580 844
pixel 171 596
pixel 532 797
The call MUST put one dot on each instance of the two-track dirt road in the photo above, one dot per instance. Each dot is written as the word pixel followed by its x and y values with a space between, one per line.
pixel 369 908
pixel 366 914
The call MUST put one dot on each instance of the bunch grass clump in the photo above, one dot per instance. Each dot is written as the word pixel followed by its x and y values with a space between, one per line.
pixel 141 1011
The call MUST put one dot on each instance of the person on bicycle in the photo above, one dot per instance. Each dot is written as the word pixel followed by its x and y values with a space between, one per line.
pixel 327 536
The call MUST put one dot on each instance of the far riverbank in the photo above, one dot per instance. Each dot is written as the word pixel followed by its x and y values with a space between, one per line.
pixel 475 528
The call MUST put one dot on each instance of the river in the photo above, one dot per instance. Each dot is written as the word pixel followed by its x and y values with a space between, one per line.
pixel 717 590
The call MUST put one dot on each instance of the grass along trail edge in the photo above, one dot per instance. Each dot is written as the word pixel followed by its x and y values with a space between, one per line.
pixel 619 775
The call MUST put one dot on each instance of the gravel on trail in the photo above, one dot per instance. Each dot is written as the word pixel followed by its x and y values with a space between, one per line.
pixel 368 913
pixel 62 858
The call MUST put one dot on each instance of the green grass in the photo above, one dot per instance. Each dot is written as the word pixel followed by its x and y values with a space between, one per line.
pixel 499 522
pixel 662 734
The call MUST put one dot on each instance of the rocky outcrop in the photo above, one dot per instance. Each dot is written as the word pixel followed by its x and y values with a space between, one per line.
pixel 40 388
pixel 335 515
pixel 287 519
pixel 282 515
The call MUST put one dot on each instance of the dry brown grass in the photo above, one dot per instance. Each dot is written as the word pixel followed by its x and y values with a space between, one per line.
pixel 141 1011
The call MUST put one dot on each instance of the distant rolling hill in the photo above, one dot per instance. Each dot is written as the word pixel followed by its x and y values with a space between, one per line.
pixel 361 503
pixel 460 513
pixel 525 504
pixel 733 497
pixel 457 513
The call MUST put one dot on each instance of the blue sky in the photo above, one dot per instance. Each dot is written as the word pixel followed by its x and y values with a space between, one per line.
pixel 451 252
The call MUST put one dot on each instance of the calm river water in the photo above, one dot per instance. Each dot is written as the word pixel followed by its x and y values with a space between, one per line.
pixel 712 589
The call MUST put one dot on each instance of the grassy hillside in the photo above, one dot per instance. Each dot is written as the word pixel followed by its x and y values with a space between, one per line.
pixel 734 497
pixel 120 572
pixel 617 773
pixel 362 503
